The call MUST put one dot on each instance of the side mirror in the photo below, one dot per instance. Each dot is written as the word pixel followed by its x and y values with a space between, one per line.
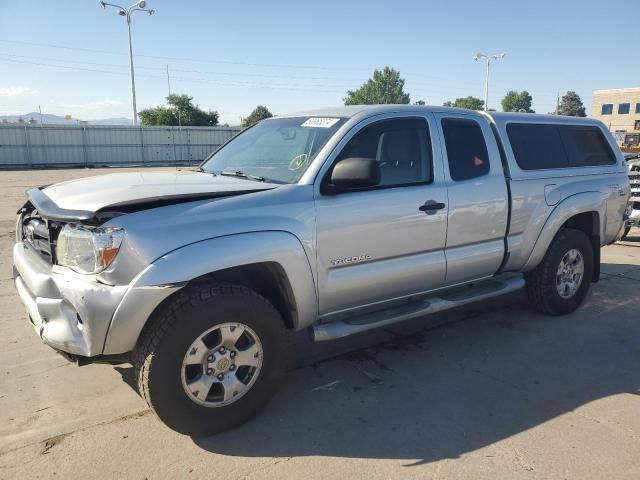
pixel 357 172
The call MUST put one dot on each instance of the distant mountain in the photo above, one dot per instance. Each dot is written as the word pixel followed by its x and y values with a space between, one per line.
pixel 49 119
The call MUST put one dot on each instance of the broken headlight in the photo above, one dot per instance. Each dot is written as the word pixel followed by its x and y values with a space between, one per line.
pixel 88 249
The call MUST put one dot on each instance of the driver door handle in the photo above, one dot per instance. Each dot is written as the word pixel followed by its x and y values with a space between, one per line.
pixel 430 206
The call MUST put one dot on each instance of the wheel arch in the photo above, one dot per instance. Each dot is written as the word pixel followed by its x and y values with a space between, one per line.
pixel 590 224
pixel 585 212
pixel 268 279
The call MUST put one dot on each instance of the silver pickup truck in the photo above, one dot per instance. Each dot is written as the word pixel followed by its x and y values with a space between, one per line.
pixel 334 221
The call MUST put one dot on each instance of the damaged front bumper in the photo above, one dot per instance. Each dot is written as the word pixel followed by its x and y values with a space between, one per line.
pixel 70 312
pixel 79 316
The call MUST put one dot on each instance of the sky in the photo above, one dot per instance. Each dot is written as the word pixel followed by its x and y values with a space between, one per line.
pixel 71 56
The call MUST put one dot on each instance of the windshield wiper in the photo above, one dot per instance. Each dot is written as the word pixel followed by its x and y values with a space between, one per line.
pixel 241 174
pixel 200 169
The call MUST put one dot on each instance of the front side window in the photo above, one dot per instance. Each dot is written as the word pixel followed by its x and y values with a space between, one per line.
pixel 277 150
pixel 466 149
pixel 607 109
pixel 400 146
pixel 623 108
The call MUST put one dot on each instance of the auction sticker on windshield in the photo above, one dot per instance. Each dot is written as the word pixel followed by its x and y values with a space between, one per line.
pixel 320 122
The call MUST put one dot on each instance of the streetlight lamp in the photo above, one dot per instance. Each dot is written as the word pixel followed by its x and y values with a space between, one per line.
pixel 127 12
pixel 487 59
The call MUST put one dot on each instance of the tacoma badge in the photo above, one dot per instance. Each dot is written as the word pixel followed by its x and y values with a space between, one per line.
pixel 346 260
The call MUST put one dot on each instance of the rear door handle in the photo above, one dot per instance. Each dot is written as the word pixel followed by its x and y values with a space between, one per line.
pixel 430 206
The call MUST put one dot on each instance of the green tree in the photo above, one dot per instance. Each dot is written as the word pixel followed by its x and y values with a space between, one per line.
pixel 259 113
pixel 515 101
pixel 472 103
pixel 385 87
pixel 179 111
pixel 571 105
pixel 419 102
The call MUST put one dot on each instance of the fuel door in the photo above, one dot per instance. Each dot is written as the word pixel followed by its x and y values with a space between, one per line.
pixel 552 194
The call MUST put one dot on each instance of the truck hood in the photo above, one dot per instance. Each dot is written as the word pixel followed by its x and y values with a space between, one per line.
pixel 132 191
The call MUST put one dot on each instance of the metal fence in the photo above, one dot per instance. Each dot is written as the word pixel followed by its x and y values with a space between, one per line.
pixel 54 146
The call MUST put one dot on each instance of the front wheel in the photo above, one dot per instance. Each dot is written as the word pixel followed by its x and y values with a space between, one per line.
pixel 211 358
pixel 561 282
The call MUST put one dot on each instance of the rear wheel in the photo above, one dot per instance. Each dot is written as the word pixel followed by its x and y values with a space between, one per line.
pixel 211 358
pixel 561 282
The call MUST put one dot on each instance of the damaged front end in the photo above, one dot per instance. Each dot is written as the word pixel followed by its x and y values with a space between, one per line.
pixel 69 306
pixel 75 270
pixel 69 311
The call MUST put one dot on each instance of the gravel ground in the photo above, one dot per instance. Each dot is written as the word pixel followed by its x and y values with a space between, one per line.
pixel 491 391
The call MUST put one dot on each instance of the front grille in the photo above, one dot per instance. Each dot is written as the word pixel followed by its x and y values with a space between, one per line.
pixel 636 205
pixel 36 233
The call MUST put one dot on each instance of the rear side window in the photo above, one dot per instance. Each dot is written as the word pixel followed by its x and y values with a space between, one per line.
pixel 537 146
pixel 544 146
pixel 586 146
pixel 466 148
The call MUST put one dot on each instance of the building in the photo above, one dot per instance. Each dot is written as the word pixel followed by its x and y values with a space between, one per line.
pixel 619 110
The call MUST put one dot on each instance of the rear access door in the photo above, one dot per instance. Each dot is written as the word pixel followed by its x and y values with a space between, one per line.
pixel 478 197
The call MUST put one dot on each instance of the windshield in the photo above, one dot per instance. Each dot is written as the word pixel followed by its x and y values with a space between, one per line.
pixel 278 150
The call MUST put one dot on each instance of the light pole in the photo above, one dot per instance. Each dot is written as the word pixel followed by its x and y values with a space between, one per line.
pixel 487 59
pixel 127 12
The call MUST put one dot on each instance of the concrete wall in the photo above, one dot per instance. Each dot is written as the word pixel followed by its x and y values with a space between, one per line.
pixel 54 146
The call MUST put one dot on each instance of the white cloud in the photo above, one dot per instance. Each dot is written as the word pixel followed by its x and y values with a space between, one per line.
pixel 16 91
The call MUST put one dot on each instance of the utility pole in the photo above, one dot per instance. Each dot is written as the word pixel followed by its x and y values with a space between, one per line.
pixel 487 59
pixel 168 80
pixel 127 12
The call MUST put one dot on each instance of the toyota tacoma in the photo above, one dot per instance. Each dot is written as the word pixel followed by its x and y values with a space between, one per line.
pixel 335 222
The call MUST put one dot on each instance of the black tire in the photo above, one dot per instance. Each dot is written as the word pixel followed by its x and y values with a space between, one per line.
pixel 541 287
pixel 625 233
pixel 179 322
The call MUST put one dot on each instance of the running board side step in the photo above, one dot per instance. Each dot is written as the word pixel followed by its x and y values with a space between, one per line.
pixel 443 300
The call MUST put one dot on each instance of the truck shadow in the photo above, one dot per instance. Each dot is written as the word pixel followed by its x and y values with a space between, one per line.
pixel 448 385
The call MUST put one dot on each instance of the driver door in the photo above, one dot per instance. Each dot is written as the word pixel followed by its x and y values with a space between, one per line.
pixel 379 244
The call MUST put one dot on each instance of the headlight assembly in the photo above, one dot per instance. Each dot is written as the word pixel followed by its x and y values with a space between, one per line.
pixel 88 249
